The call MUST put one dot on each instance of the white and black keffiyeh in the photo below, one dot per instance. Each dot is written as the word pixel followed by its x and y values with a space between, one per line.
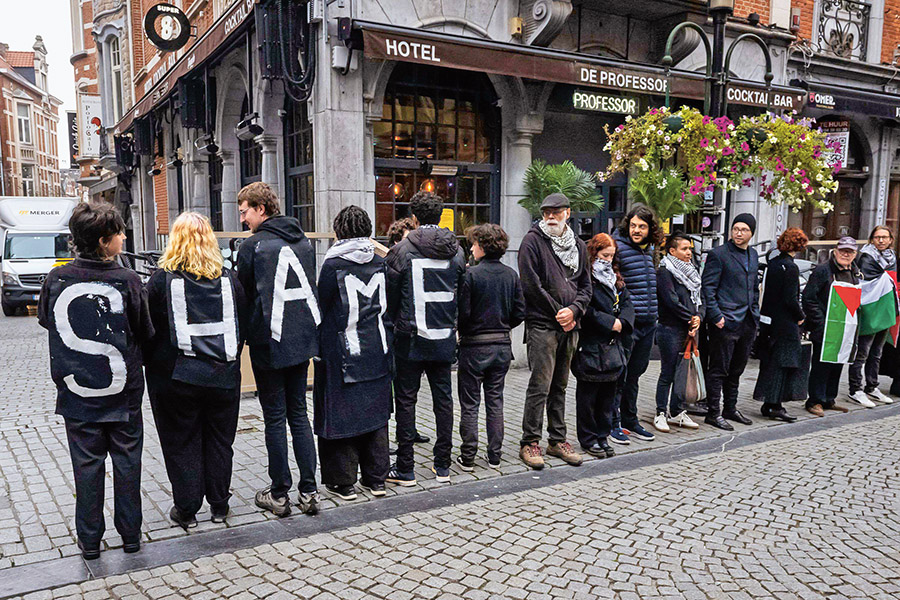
pixel 885 258
pixel 686 275
pixel 564 245
pixel 358 250
pixel 603 272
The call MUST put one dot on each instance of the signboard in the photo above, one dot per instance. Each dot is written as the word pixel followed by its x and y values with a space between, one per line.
pixel 72 127
pixel 874 104
pixel 167 27
pixel 839 132
pixel 90 119
pixel 447 219
pixel 593 101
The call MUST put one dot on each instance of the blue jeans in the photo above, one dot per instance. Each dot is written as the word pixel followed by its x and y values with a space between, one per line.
pixel 626 399
pixel 671 348
pixel 282 396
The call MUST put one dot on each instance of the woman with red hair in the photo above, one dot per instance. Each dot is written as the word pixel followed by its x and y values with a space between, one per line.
pixel 599 360
pixel 780 318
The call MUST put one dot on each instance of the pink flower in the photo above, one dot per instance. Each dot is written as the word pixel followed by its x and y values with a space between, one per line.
pixel 805 180
pixel 790 149
pixel 701 167
pixel 699 180
pixel 653 111
pixel 704 142
pixel 747 182
pixel 727 151
pixel 802 172
pixel 694 190
pixel 745 147
pixel 734 169
pixel 706 120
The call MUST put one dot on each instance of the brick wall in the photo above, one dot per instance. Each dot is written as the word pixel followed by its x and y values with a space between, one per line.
pixel 891 32
pixel 742 8
pixel 160 197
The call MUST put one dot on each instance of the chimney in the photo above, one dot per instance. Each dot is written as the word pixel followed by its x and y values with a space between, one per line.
pixel 4 48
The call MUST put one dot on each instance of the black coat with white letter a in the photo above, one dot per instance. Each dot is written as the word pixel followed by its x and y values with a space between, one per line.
pixel 199 325
pixel 97 316
pixel 277 268
pixel 353 380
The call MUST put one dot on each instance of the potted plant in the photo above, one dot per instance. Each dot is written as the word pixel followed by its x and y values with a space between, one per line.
pixel 542 179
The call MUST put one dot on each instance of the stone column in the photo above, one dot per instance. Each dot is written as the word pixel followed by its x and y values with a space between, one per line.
pixel 230 218
pixel 198 169
pixel 269 145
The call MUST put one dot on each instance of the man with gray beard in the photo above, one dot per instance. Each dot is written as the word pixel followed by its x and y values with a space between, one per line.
pixel 557 287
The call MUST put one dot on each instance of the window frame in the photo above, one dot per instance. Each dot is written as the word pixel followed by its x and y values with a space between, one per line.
pixel 27 119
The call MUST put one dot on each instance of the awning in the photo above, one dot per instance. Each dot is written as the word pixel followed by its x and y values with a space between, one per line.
pixel 162 80
pixel 388 42
pixel 849 100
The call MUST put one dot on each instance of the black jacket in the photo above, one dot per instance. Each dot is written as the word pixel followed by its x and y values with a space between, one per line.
pixel 600 355
pixel 281 334
pixel 547 284
pixel 781 312
pixel 491 301
pixel 675 305
pixel 817 292
pixel 429 257
pixel 95 344
pixel 209 366
pixel 731 285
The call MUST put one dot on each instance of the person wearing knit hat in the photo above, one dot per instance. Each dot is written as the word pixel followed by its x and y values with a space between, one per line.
pixel 731 294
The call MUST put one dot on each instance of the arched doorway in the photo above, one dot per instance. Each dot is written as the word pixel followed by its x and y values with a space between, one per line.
pixel 440 131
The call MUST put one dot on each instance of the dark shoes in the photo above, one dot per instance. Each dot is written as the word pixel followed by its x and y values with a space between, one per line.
pixel 377 489
pixel 344 492
pixel 698 409
pixel 719 423
pixel 737 417
pixel 89 551
pixel 219 514
pixel 421 439
pixel 777 413
pixel 601 449
pixel 401 479
pixel 465 464
pixel 309 502
pixel 184 521
pixel 131 546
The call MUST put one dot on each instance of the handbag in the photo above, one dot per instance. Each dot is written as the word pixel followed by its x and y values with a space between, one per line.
pixel 689 386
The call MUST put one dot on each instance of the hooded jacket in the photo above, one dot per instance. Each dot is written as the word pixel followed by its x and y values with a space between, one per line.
pixel 425 274
pixel 639 272
pixel 277 269
pixel 547 283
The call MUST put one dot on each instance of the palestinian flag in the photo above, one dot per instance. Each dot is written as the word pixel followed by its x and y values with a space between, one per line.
pixel 839 340
pixel 878 308
pixel 894 331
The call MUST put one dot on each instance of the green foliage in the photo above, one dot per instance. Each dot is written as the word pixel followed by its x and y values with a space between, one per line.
pixel 580 187
pixel 663 191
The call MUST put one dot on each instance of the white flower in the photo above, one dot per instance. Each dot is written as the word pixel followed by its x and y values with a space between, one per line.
pixel 818 177
pixel 643 164
pixel 628 119
pixel 668 138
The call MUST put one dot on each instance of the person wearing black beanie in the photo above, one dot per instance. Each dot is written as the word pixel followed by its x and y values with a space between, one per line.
pixel 731 294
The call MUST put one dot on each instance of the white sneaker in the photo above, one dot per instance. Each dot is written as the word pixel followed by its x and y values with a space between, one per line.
pixel 881 397
pixel 660 424
pixel 683 420
pixel 861 398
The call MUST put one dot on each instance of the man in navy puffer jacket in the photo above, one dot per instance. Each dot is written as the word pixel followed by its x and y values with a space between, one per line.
pixel 635 237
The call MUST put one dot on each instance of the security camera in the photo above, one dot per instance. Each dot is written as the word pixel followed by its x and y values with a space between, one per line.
pixel 247 129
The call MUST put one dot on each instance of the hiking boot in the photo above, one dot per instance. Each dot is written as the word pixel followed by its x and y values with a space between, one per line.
pixel 564 451
pixel 531 455
pixel 280 507
pixel 309 502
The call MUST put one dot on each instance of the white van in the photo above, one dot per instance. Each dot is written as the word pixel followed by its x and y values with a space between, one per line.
pixel 34 238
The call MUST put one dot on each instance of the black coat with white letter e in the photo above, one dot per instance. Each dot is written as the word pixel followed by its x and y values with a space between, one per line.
pixel 277 268
pixel 97 316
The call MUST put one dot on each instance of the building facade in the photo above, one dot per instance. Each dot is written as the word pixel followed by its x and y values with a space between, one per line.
pixel 29 163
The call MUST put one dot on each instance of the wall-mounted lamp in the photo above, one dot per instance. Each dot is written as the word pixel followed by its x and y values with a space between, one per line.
pixel 248 128
pixel 205 145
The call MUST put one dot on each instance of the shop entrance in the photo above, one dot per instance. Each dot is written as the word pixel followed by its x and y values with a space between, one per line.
pixel 843 220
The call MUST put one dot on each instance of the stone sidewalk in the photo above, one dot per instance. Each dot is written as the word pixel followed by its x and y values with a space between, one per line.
pixel 37 492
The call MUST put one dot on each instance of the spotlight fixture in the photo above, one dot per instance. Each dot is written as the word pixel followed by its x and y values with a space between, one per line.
pixel 248 128
pixel 427 186
pixel 205 145
pixel 154 171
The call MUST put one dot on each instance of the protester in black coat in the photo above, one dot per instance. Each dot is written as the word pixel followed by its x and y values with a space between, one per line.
pixel 491 304
pixel 353 380
pixel 825 377
pixel 600 360
pixel 680 313
pixel 277 267
pixel 781 317
pixel 731 296
pixel 424 275
pixel 199 314
pixel 97 315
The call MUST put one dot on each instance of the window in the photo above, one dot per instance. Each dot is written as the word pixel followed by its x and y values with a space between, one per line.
pixel 251 153
pixel 24 114
pixel 300 197
pixel 28 180
pixel 115 78
pixel 844 28
pixel 215 192
pixel 37 245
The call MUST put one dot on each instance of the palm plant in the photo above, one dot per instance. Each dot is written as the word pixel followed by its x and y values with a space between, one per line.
pixel 663 191
pixel 580 187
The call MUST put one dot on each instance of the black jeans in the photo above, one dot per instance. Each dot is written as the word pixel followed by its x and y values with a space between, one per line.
pixel 196 426
pixel 824 379
pixel 282 396
pixel 671 341
pixel 406 390
pixel 549 356
pixel 89 444
pixel 341 459
pixel 482 365
pixel 638 360
pixel 729 352
pixel 594 411
pixel 868 361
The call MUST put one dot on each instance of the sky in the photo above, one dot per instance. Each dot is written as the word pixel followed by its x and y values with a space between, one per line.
pixel 24 19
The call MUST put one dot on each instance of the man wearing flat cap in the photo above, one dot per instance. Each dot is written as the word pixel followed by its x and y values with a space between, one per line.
pixel 557 287
pixel 730 291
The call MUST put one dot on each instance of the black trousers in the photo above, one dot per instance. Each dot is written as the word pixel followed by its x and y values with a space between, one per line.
pixel 282 397
pixel 406 390
pixel 729 352
pixel 482 365
pixel 638 361
pixel 341 459
pixel 594 410
pixel 89 444
pixel 868 362
pixel 824 380
pixel 196 426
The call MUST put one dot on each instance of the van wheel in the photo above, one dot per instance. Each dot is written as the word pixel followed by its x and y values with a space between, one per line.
pixel 8 309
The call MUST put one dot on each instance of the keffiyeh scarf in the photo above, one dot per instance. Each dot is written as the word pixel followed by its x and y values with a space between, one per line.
pixel 564 246
pixel 685 274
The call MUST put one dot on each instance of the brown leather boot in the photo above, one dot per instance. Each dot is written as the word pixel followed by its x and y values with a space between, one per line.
pixel 564 451
pixel 531 455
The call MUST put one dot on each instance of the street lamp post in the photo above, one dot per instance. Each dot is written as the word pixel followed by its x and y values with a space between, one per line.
pixel 720 11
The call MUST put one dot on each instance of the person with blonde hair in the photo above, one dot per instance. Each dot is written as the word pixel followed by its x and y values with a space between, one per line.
pixel 198 310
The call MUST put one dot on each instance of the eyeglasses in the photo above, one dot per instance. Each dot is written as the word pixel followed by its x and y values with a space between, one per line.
pixel 741 229
pixel 243 211
pixel 881 237
pixel 553 212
